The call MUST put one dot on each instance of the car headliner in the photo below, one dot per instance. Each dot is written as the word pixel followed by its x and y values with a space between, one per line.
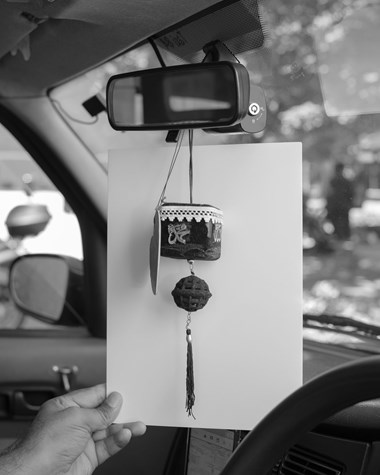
pixel 68 37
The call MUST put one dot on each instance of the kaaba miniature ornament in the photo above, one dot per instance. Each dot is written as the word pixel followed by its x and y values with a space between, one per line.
pixel 192 232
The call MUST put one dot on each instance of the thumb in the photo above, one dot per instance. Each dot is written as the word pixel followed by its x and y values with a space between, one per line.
pixel 103 416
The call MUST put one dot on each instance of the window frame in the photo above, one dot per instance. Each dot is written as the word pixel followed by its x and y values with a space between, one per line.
pixel 92 225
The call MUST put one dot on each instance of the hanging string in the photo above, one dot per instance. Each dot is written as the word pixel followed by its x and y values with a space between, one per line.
pixel 174 159
pixel 191 265
pixel 191 139
pixel 190 394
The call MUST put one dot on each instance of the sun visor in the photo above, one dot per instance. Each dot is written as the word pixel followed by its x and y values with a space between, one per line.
pixel 20 18
pixel 237 24
pixel 14 29
pixel 349 63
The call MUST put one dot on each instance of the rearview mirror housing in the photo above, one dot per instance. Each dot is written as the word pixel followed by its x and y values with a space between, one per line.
pixel 205 95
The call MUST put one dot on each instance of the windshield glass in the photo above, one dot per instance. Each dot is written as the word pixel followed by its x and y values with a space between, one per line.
pixel 319 69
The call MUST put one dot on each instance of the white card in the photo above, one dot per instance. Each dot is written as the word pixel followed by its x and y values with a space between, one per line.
pixel 247 341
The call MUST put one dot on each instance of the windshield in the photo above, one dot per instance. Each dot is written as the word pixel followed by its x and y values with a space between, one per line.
pixel 319 68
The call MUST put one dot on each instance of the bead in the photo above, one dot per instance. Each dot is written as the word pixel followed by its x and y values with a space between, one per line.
pixel 191 293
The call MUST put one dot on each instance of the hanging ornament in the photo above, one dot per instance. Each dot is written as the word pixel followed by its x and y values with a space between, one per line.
pixel 187 231
pixel 191 294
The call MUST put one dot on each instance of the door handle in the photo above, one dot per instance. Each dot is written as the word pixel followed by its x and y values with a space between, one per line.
pixel 21 407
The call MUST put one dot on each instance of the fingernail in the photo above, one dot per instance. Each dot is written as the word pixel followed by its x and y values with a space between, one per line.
pixel 114 400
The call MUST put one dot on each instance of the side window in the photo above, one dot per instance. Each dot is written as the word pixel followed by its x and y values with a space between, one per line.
pixel 56 229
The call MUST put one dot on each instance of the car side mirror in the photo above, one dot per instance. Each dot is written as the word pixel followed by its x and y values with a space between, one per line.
pixel 179 97
pixel 49 288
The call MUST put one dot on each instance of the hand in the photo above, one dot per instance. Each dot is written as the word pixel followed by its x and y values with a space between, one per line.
pixel 72 434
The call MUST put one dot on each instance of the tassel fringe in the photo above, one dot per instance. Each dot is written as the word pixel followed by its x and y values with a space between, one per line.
pixel 190 395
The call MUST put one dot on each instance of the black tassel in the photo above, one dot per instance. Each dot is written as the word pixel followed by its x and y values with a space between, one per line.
pixel 190 396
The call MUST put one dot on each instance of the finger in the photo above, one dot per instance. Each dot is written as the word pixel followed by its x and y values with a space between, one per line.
pixel 112 444
pixel 137 429
pixel 104 433
pixel 87 398
pixel 102 416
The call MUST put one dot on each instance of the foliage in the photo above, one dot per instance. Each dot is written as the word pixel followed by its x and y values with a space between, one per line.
pixel 288 70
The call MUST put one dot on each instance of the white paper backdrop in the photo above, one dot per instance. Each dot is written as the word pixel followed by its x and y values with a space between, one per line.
pixel 247 341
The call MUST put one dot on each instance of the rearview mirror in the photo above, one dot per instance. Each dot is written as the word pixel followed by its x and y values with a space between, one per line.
pixel 48 287
pixel 179 97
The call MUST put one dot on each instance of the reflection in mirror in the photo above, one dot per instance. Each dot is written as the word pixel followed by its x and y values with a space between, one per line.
pixel 39 285
pixel 197 95
pixel 349 62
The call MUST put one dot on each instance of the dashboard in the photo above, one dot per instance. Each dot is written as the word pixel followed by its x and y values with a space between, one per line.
pixel 346 444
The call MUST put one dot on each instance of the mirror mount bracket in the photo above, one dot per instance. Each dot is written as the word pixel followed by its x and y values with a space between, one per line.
pixel 218 51
pixel 215 51
pixel 255 119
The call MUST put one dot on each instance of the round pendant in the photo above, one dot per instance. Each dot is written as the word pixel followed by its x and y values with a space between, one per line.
pixel 191 293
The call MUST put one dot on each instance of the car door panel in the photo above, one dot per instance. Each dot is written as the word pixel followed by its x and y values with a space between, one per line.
pixel 28 378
